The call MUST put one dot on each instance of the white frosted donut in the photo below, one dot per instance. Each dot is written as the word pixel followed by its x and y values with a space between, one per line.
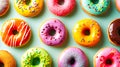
pixel 4 6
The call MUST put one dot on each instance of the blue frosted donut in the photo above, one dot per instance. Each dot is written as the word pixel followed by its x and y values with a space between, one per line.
pixel 95 7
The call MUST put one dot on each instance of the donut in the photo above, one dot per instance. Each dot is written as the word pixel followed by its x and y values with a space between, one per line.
pixel 6 59
pixel 28 8
pixel 107 57
pixel 15 32
pixel 4 7
pixel 73 57
pixel 95 7
pixel 36 57
pixel 114 32
pixel 87 32
pixel 61 7
pixel 53 32
pixel 118 5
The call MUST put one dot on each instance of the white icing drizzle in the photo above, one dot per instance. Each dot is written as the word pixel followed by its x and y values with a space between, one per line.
pixel 3 4
pixel 12 40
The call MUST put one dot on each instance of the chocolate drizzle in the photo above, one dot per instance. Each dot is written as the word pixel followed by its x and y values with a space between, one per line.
pixel 114 32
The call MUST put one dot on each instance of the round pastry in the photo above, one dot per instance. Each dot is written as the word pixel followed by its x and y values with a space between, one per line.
pixel 36 57
pixel 6 59
pixel 61 7
pixel 114 32
pixel 87 32
pixel 4 7
pixel 15 33
pixel 73 57
pixel 118 4
pixel 53 32
pixel 95 7
pixel 107 57
pixel 28 8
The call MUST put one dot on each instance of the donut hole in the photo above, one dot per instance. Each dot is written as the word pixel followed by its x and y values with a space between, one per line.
pixel 109 61
pixel 86 31
pixel 1 64
pixel 119 32
pixel 36 61
pixel 71 61
pixel 52 32
pixel 15 32
pixel 95 1
pixel 60 2
pixel 27 2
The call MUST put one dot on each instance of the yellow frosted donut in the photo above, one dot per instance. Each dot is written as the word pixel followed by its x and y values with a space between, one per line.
pixel 87 32
pixel 28 8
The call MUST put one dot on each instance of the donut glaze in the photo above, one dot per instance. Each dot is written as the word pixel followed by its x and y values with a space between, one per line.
pixel 7 59
pixel 36 57
pixel 107 57
pixel 114 32
pixel 59 36
pixel 73 57
pixel 4 6
pixel 87 32
pixel 28 8
pixel 61 9
pixel 118 4
pixel 15 32
pixel 95 8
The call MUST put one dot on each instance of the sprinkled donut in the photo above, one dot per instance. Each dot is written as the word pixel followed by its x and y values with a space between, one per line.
pixel 15 33
pixel 95 7
pixel 36 57
pixel 28 8
pixel 6 59
pixel 114 32
pixel 87 32
pixel 61 7
pixel 118 5
pixel 53 32
pixel 107 57
pixel 73 57
pixel 4 7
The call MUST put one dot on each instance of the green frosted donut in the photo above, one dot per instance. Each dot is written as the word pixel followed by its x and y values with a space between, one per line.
pixel 95 7
pixel 36 57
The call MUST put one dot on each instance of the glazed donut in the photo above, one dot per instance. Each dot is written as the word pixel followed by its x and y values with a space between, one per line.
pixel 107 57
pixel 95 7
pixel 61 7
pixel 28 8
pixel 15 33
pixel 118 4
pixel 4 7
pixel 87 32
pixel 36 57
pixel 73 57
pixel 53 32
pixel 114 32
pixel 6 59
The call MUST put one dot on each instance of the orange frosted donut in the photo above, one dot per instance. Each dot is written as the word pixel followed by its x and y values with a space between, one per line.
pixel 87 32
pixel 6 59
pixel 15 32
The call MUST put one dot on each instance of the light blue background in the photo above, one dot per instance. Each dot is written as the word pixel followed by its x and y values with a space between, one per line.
pixel 69 22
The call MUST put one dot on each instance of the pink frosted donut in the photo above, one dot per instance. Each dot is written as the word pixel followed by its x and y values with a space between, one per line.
pixel 118 4
pixel 61 7
pixel 4 6
pixel 73 57
pixel 107 57
pixel 53 32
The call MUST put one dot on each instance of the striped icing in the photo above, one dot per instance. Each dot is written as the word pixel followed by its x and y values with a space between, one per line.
pixel 24 32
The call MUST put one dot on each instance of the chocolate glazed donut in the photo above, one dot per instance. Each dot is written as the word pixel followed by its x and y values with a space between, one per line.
pixel 114 32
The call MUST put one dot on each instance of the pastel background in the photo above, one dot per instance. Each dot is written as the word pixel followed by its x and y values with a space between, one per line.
pixel 69 22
